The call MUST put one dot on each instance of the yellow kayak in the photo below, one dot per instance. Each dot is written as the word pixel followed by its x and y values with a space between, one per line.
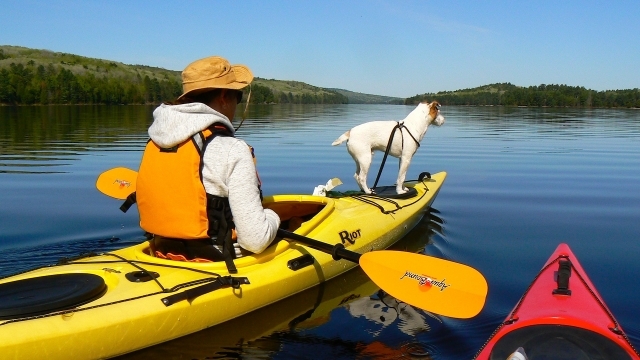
pixel 114 303
pixel 307 310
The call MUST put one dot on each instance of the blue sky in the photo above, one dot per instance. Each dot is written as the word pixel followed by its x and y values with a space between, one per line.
pixel 395 48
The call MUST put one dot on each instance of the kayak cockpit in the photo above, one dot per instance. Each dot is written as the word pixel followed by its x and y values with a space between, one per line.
pixel 298 213
pixel 553 341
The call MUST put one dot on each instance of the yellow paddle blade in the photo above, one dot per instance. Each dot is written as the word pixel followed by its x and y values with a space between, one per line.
pixel 118 182
pixel 432 284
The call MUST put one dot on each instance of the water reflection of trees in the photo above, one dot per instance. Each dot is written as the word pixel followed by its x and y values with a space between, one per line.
pixel 558 122
pixel 28 128
pixel 69 127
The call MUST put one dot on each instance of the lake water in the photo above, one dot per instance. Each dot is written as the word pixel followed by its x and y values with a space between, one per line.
pixel 520 181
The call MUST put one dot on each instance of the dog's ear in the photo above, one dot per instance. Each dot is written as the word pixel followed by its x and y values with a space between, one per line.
pixel 433 109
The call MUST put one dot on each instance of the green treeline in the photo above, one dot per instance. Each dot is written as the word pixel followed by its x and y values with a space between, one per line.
pixel 51 84
pixel 507 94
pixel 30 76
pixel 264 95
pixel 31 84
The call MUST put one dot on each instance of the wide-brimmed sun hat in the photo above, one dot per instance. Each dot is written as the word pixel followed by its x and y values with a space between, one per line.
pixel 214 72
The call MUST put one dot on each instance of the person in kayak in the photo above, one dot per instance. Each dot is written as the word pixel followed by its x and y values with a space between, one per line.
pixel 197 186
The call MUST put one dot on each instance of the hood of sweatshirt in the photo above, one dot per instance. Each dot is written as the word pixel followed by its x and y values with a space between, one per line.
pixel 173 124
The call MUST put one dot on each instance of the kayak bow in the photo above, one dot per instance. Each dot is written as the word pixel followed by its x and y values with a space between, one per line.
pixel 560 316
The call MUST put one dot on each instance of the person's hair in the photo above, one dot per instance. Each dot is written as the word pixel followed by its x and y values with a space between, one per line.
pixel 203 97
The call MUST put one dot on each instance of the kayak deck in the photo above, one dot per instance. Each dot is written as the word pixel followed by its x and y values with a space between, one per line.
pixel 149 300
pixel 560 316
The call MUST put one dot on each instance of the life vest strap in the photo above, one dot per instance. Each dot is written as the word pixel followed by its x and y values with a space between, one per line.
pixel 221 228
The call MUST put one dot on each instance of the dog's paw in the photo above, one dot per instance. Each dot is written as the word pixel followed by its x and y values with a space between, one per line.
pixel 401 191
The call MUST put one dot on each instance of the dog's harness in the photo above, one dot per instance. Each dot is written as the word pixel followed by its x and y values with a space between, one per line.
pixel 399 125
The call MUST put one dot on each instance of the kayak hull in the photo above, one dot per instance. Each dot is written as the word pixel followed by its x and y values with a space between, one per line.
pixel 561 315
pixel 131 314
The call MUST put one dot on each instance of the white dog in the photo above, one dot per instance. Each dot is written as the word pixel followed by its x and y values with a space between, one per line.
pixel 363 139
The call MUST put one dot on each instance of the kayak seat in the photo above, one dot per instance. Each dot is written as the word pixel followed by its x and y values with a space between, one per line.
pixel 293 215
pixel 179 257
pixel 47 294
pixel 558 342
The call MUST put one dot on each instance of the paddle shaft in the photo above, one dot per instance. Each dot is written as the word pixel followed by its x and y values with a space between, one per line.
pixel 337 251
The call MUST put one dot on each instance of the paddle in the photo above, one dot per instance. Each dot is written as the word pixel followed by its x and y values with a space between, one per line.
pixel 118 182
pixel 440 286
pixel 436 285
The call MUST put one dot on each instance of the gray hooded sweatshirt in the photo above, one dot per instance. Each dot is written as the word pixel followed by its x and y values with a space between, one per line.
pixel 229 170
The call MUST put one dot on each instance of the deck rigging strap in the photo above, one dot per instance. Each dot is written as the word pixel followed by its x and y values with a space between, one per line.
pixel 205 283
pixel 367 198
pixel 190 294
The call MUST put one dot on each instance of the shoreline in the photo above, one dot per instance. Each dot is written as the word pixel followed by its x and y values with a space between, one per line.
pixel 271 104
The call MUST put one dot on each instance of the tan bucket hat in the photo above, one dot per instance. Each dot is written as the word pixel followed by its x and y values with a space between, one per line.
pixel 214 72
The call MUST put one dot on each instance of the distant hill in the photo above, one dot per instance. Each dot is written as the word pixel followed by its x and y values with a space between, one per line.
pixel 285 91
pixel 79 65
pixel 507 94
pixel 32 76
pixel 360 98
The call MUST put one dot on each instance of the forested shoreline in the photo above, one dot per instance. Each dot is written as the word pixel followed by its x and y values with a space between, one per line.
pixel 261 94
pixel 31 85
pixel 506 94
pixel 41 77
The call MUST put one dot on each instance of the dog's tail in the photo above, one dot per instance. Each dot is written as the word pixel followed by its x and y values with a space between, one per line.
pixel 344 137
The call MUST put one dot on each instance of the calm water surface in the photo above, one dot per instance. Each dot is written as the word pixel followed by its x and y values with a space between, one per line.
pixel 520 181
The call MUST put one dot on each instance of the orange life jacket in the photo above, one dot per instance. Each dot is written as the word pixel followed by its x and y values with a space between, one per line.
pixel 171 197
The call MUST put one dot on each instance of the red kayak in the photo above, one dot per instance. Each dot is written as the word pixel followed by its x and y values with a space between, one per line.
pixel 560 316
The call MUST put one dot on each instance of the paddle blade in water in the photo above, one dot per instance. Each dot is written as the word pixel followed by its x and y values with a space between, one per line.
pixel 432 284
pixel 117 182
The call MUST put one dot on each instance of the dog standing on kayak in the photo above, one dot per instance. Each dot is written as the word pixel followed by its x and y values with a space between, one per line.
pixel 407 134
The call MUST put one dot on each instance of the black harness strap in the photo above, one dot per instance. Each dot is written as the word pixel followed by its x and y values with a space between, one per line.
pixel 400 126
pixel 410 134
